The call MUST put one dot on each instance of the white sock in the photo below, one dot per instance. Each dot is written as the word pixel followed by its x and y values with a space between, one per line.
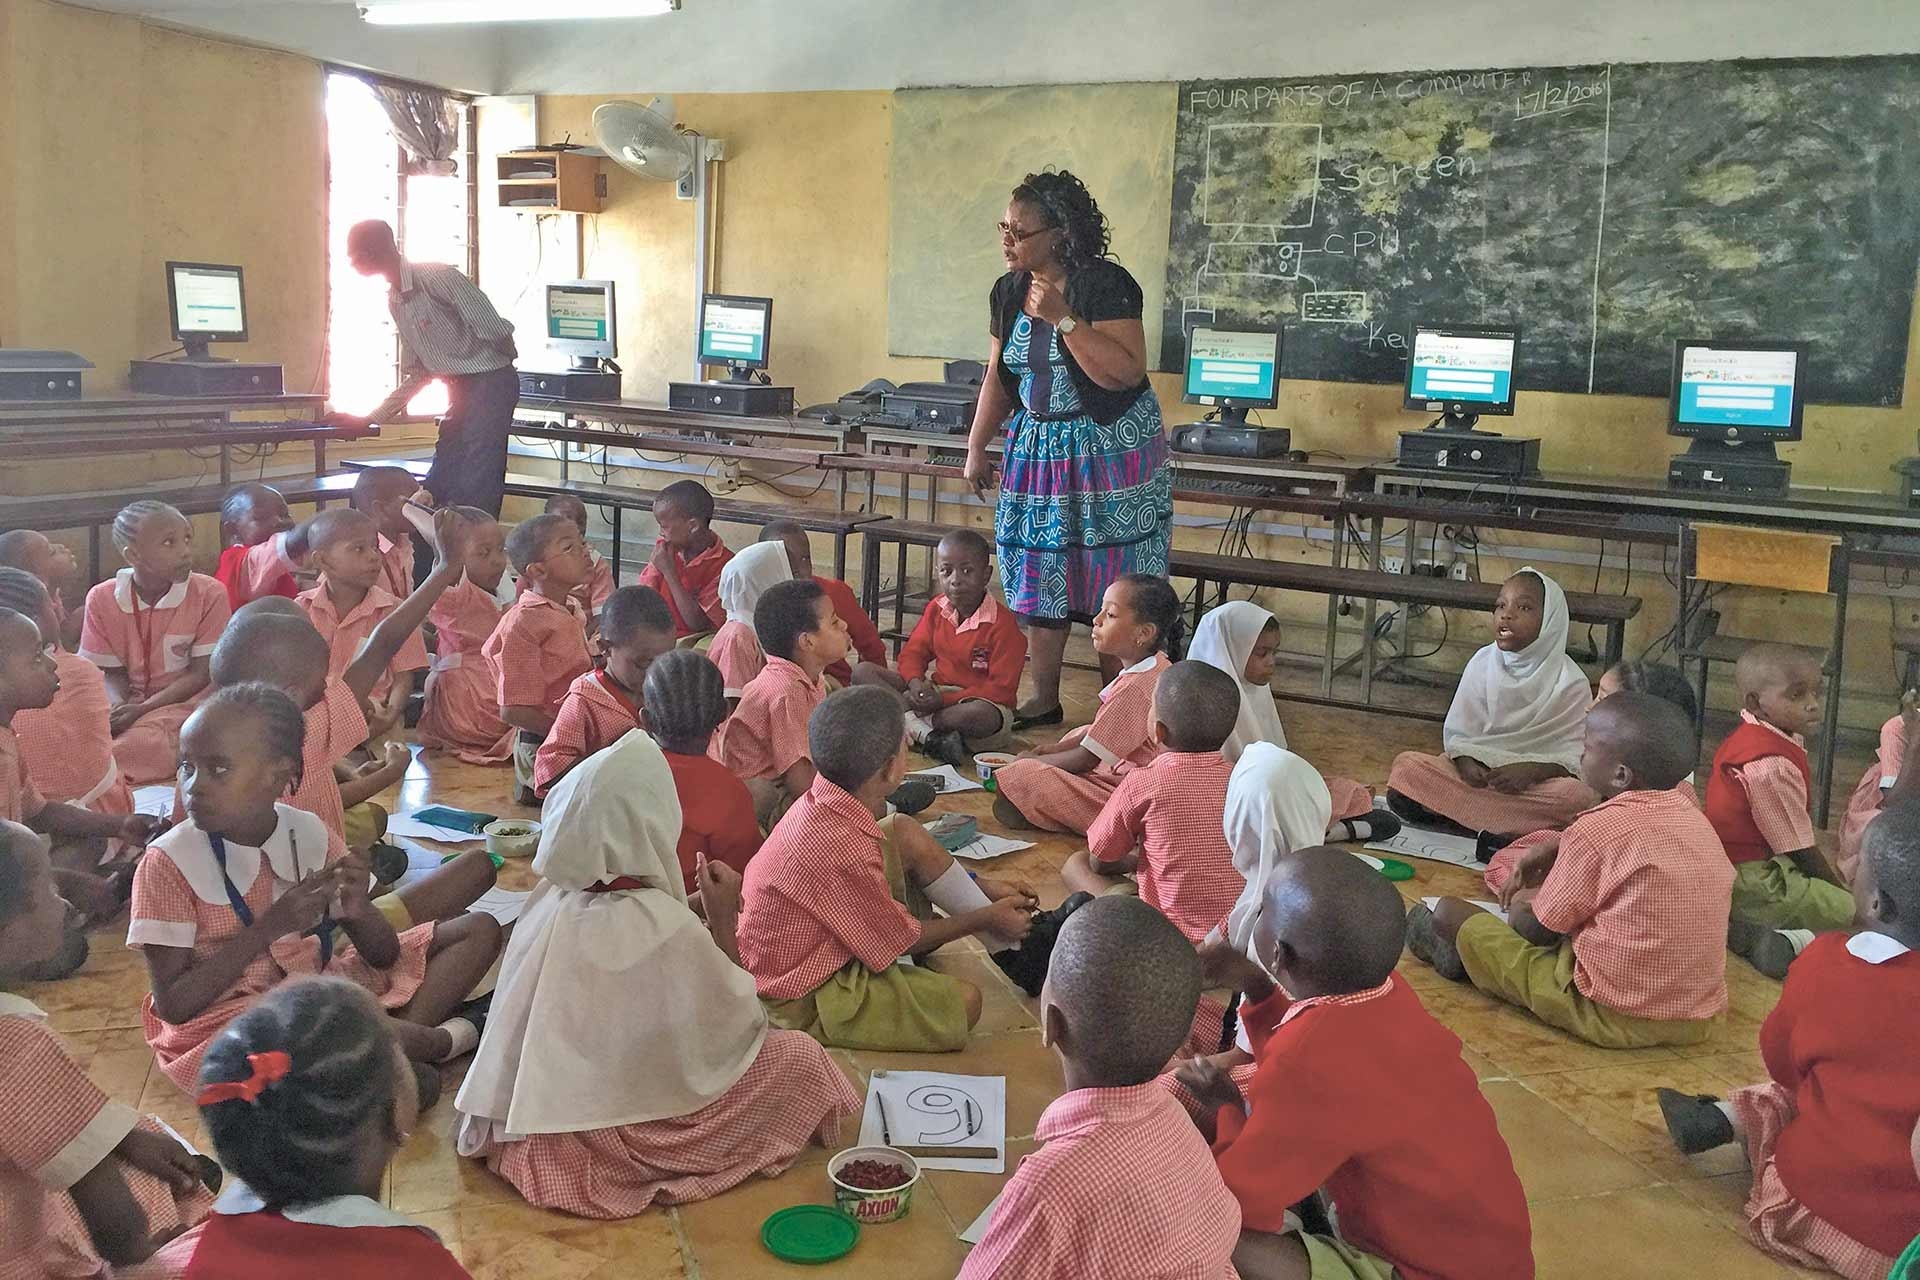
pixel 956 893
pixel 919 729
pixel 1798 937
pixel 465 1037
pixel 1739 1130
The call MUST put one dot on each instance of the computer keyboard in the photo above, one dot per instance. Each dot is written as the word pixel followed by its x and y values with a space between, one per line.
pixel 947 457
pixel 1223 487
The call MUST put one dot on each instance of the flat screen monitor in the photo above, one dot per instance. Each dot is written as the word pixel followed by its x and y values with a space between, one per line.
pixel 1738 390
pixel 580 320
pixel 1234 369
pixel 207 303
pixel 1462 371
pixel 733 331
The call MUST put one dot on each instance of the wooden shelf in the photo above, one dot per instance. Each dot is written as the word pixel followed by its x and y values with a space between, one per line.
pixel 573 180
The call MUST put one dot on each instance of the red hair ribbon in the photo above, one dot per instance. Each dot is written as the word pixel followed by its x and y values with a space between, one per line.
pixel 268 1069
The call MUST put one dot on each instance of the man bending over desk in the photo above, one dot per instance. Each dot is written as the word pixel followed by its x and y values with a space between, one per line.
pixel 449 331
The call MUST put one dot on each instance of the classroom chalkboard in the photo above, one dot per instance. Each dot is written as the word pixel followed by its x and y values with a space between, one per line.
pixel 1604 210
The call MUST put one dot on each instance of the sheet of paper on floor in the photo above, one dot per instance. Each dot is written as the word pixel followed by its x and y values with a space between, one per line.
pixel 1435 846
pixel 414 829
pixel 990 846
pixel 156 799
pixel 1491 908
pixel 951 779
pixel 978 1228
pixel 939 1109
pixel 504 905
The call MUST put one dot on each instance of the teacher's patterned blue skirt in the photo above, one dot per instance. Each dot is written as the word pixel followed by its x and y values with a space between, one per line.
pixel 1081 504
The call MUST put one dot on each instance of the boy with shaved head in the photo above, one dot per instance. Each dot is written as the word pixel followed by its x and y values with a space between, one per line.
pixel 1612 930
pixel 1757 800
pixel 1425 1191
pixel 1122 1185
pixel 382 494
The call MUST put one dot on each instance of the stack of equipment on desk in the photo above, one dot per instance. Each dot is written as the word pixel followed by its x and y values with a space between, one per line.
pixel 1462 372
pixel 1910 481
pixel 1736 398
pixel 581 323
pixel 40 375
pixel 940 408
pixel 1221 441
pixel 207 303
pixel 1481 452
pixel 741 399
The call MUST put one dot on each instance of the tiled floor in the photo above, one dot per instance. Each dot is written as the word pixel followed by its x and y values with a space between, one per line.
pixel 1586 1137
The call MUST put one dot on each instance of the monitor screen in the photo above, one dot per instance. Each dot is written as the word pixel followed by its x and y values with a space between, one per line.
pixel 208 301
pixel 1472 367
pixel 1734 389
pixel 1240 367
pixel 734 330
pixel 580 317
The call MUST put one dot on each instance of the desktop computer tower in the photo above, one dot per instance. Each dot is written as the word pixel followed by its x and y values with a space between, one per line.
pixel 740 399
pixel 208 378
pixel 1477 452
pixel 1762 477
pixel 571 384
pixel 1213 440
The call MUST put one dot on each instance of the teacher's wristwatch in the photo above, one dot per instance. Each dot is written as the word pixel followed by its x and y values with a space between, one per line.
pixel 1068 323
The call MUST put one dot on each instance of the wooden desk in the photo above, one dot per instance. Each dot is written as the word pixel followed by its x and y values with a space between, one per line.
pixel 100 425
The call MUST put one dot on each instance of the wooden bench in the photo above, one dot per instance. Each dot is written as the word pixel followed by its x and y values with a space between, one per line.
pixel 95 511
pixel 1607 611
pixel 838 525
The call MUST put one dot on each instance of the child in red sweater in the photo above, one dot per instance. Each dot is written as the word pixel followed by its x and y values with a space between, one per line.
pixel 687 558
pixel 1612 932
pixel 960 669
pixel 264 547
pixel 1757 800
pixel 864 636
pixel 1166 824
pixel 1064 787
pixel 1426 1194
pixel 685 703
pixel 1828 1137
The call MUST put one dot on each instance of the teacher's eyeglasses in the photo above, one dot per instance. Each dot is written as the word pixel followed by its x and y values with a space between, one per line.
pixel 1010 234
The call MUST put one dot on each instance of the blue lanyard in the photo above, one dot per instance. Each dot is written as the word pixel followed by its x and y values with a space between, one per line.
pixel 237 900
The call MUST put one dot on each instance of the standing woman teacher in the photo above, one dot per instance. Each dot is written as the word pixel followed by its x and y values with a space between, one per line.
pixel 1085 495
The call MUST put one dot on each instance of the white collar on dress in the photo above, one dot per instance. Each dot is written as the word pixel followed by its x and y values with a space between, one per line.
pixel 13 1006
pixel 1875 948
pixel 187 847
pixel 123 593
pixel 339 1211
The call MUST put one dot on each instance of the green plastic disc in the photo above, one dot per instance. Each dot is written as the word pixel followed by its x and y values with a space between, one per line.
pixel 809 1234
pixel 1394 869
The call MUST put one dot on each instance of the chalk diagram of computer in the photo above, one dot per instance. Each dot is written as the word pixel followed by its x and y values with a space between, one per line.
pixel 1248 221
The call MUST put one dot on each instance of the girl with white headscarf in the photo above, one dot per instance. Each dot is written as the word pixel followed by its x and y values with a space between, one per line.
pixel 735 647
pixel 1238 637
pixel 627 1058
pixel 1513 735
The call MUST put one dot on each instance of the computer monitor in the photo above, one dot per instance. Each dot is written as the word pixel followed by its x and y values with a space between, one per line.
pixel 1234 370
pixel 733 332
pixel 1729 392
pixel 580 322
pixel 1461 372
pixel 207 303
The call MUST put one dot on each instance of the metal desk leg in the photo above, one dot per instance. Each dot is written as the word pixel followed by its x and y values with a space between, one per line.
pixel 1367 618
pixel 840 494
pixel 319 458
pixel 1333 609
pixel 226 466
pixel 900 590
pixel 1830 726
pixel 870 572
pixel 840 555
pixel 616 545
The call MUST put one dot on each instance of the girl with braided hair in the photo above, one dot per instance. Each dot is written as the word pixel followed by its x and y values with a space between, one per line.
pixel 1086 496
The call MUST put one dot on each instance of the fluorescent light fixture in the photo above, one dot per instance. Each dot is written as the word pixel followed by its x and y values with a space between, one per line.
pixel 397 13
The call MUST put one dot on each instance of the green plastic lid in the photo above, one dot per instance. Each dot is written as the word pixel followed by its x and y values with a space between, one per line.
pixel 1394 869
pixel 809 1234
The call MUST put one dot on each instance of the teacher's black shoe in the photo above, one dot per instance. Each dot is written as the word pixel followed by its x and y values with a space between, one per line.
pixel 1039 719
pixel 1027 963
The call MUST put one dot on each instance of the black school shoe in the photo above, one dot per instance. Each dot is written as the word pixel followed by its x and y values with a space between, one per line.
pixel 1027 963
pixel 948 747
pixel 1040 719
pixel 1693 1121
pixel 1426 944
pixel 913 796
pixel 389 862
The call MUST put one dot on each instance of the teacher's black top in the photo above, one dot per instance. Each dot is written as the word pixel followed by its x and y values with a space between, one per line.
pixel 1101 290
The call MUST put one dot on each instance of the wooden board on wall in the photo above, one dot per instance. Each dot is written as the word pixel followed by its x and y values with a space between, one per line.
pixel 1605 210
pixel 956 155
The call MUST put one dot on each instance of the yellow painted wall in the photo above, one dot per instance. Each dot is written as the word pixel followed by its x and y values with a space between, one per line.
pixel 131 145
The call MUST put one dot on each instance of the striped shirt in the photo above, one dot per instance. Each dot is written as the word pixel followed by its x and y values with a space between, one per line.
pixel 447 326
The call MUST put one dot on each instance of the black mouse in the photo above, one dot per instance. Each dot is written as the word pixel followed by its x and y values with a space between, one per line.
pixel 1295 455
pixel 830 418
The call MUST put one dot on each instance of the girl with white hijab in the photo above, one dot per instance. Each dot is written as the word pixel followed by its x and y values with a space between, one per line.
pixel 627 1058
pixel 1513 735
pixel 1239 637
pixel 735 647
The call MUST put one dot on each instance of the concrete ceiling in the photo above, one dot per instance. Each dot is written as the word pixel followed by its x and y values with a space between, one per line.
pixel 780 45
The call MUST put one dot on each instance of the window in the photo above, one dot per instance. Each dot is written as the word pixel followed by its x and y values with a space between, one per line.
pixel 431 217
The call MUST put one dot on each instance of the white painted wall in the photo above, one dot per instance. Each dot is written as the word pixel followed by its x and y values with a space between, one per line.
pixel 747 45
pixel 740 46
